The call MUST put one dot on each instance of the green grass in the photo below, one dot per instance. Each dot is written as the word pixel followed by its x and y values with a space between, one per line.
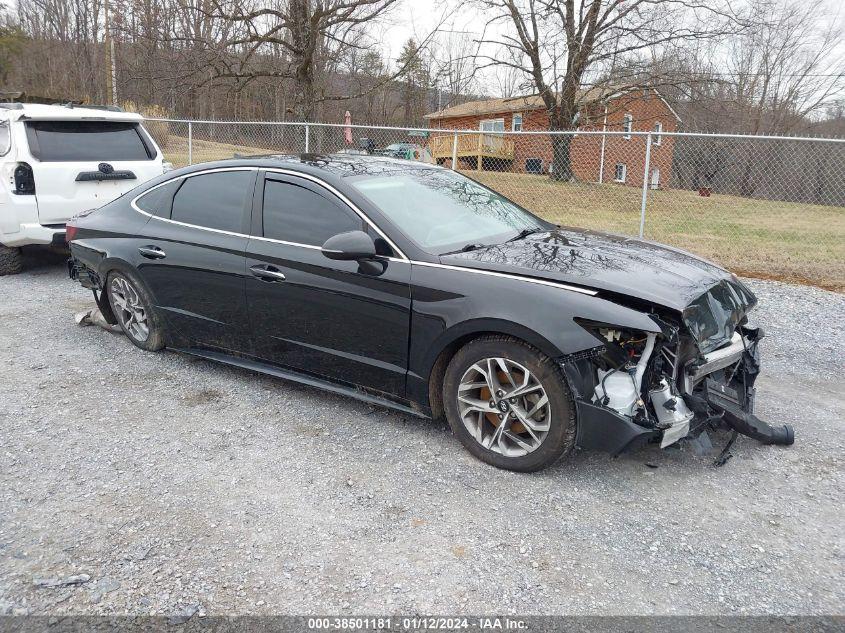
pixel 759 238
pixel 176 151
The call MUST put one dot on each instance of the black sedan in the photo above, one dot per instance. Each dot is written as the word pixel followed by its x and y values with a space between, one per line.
pixel 413 287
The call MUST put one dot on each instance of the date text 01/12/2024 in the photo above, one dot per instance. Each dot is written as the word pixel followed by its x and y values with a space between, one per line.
pixel 416 623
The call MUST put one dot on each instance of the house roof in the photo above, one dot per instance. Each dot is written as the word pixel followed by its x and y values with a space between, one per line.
pixel 528 102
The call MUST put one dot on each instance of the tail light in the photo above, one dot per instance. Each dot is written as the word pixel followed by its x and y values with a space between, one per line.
pixel 24 180
pixel 70 232
pixel 71 229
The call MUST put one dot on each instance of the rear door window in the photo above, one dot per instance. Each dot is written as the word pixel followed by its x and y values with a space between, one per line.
pixel 294 213
pixel 159 201
pixel 216 200
pixel 53 141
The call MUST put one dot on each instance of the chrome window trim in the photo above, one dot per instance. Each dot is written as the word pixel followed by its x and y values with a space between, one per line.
pixel 285 242
pixel 134 205
pixel 360 213
pixel 316 248
pixel 342 198
pixel 532 280
pixel 134 202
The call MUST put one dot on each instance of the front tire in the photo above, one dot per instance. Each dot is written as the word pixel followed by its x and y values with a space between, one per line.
pixel 11 260
pixel 509 404
pixel 132 306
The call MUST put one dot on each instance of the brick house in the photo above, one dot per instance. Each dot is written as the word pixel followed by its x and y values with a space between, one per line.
pixel 595 158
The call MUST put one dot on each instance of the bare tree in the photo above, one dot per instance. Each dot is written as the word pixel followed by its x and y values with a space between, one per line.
pixel 783 70
pixel 452 57
pixel 563 45
pixel 314 37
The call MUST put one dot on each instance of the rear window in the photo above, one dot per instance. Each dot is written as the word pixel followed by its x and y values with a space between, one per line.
pixel 87 141
pixel 159 201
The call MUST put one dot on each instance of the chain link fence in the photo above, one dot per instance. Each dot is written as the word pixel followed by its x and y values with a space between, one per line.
pixel 771 207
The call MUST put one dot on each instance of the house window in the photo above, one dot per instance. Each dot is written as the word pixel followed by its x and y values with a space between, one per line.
pixel 655 179
pixel 658 129
pixel 627 125
pixel 492 125
pixel 516 125
pixel 621 172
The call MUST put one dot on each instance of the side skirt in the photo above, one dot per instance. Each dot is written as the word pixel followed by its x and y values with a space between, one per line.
pixel 303 379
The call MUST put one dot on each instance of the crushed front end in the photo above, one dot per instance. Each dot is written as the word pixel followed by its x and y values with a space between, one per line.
pixel 695 371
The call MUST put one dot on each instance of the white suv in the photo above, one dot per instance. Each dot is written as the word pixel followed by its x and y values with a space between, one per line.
pixel 59 160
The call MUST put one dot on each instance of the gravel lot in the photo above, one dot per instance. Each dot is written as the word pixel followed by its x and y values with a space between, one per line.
pixel 146 483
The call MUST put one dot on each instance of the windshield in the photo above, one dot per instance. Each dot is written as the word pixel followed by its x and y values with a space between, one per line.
pixel 443 211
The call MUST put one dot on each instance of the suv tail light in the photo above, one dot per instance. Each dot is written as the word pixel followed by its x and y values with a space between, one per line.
pixel 24 180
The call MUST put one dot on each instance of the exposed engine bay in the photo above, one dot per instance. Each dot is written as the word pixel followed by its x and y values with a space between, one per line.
pixel 621 388
pixel 669 386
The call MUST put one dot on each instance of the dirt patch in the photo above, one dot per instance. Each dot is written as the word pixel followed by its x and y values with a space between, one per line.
pixel 201 397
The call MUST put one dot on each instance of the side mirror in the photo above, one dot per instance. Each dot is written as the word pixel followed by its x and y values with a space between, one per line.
pixel 354 245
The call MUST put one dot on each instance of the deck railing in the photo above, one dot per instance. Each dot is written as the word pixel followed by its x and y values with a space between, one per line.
pixel 468 144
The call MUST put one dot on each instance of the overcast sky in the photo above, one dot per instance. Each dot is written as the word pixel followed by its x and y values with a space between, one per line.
pixel 417 18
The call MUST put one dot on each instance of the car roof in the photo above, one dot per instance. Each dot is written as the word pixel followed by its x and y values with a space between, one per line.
pixel 40 111
pixel 329 166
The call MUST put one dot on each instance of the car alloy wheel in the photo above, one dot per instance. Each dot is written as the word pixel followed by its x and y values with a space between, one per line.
pixel 504 407
pixel 129 309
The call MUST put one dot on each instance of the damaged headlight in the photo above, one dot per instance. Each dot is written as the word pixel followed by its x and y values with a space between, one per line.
pixel 713 317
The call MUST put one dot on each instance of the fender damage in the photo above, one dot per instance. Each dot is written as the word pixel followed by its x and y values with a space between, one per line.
pixel 697 373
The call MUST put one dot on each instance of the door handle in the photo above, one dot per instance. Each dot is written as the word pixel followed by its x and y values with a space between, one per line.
pixel 152 252
pixel 267 273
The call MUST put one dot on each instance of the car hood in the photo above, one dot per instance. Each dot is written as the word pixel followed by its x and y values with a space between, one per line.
pixel 616 264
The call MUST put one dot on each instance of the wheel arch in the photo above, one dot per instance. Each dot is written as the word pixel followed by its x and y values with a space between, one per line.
pixel 460 335
pixel 112 264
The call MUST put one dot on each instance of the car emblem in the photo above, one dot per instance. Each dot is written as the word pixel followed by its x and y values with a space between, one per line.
pixel 105 168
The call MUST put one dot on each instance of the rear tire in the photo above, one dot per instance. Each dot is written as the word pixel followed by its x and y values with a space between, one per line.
pixel 11 260
pixel 133 308
pixel 515 410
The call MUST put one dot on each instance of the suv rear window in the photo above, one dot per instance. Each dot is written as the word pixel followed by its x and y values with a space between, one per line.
pixel 87 141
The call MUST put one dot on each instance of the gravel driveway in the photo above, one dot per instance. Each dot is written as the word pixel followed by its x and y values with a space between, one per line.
pixel 143 483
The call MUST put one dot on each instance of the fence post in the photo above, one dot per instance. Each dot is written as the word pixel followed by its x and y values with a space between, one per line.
pixel 479 163
pixel 190 143
pixel 455 152
pixel 307 140
pixel 645 182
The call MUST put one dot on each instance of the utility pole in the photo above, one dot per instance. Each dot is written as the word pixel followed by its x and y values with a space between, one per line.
pixel 111 71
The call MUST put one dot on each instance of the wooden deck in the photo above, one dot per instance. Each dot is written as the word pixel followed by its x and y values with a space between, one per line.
pixel 472 146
